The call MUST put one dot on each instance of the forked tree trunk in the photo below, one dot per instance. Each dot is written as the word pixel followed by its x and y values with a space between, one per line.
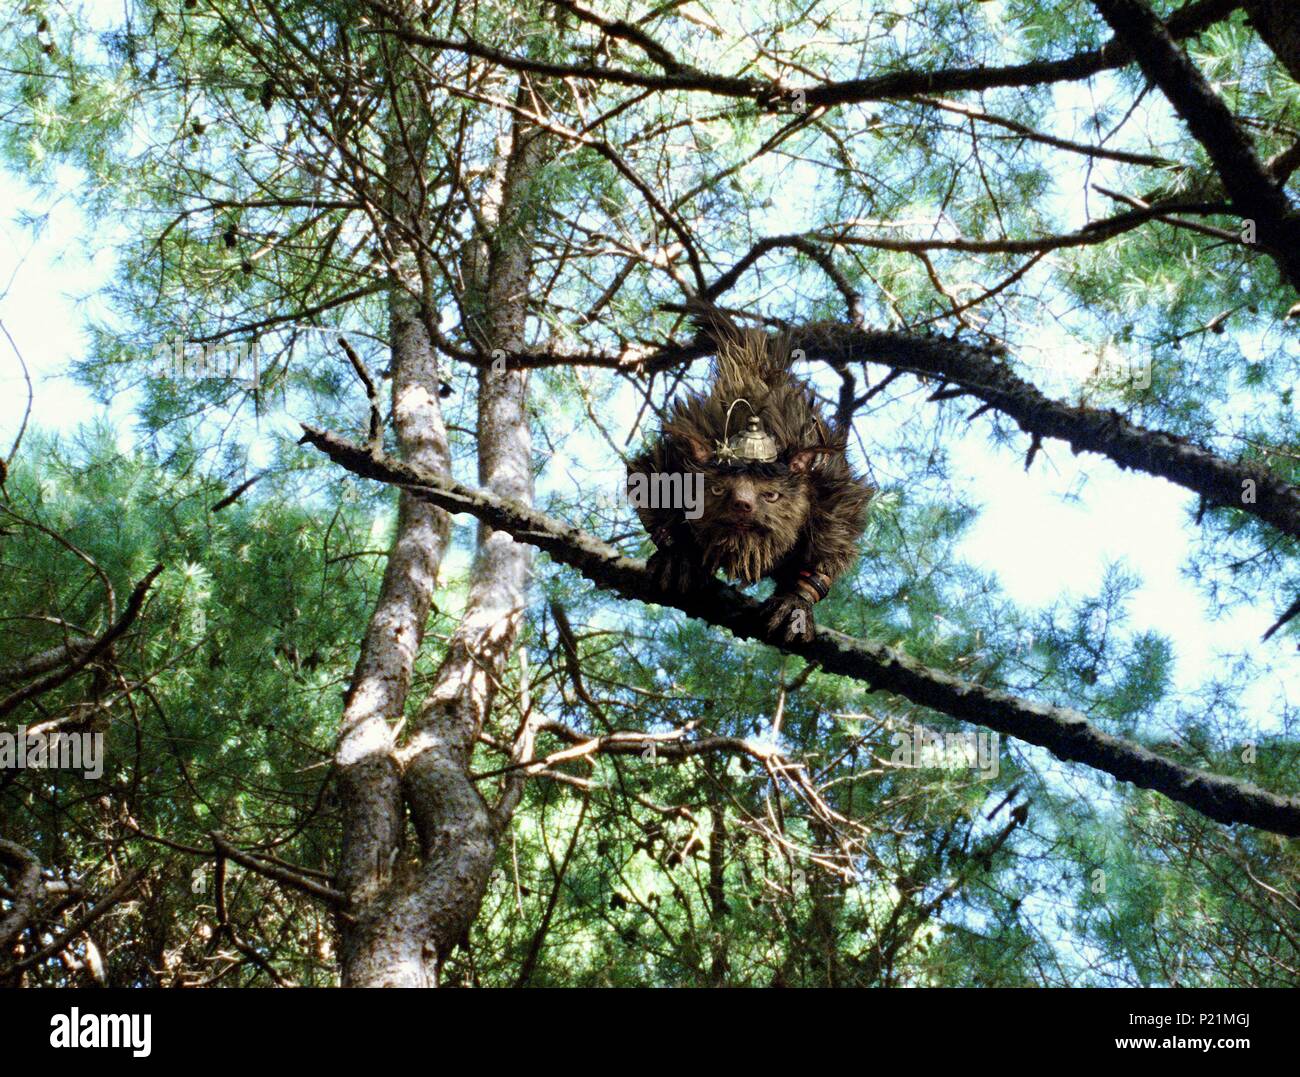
pixel 411 918
pixel 367 768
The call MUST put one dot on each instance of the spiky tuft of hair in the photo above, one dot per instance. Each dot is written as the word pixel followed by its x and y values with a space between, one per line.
pixel 753 367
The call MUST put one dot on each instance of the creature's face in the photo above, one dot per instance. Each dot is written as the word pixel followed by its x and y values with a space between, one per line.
pixel 751 518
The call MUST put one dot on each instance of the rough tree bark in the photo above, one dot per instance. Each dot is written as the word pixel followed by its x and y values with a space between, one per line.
pixel 427 905
pixel 368 771
pixel 1278 23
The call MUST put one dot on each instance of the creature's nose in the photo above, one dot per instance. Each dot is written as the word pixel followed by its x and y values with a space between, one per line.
pixel 742 504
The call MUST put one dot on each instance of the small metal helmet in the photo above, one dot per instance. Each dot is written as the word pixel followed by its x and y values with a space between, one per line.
pixel 753 445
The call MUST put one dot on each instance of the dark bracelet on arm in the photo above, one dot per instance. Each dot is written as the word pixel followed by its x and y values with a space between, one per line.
pixel 813 585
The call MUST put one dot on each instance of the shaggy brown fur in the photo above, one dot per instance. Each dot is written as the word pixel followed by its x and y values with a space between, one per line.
pixel 805 511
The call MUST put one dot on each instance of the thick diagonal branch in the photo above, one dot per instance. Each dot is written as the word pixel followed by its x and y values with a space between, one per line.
pixel 1255 194
pixel 1250 488
pixel 1066 733
pixel 1247 487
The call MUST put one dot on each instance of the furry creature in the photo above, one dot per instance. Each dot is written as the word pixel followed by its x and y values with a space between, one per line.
pixel 779 501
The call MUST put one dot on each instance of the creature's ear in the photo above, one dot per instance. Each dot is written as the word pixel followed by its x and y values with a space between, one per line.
pixel 802 461
pixel 695 447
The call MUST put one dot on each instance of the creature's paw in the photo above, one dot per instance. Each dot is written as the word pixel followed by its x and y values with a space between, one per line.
pixel 787 618
pixel 677 570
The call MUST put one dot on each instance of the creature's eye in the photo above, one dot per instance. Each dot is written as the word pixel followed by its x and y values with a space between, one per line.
pixel 771 495
pixel 716 489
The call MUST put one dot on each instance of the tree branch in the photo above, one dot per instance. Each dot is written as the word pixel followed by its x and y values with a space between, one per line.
pixel 26 892
pixel 1254 193
pixel 674 75
pixel 223 847
pixel 1219 481
pixel 1065 733
pixel 979 372
pixel 105 904
pixel 83 658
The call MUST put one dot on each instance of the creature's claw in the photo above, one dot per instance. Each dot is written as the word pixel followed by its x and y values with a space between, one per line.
pixel 787 618
pixel 676 570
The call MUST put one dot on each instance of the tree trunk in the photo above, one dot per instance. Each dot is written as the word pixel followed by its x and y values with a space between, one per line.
pixel 368 771
pixel 416 916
